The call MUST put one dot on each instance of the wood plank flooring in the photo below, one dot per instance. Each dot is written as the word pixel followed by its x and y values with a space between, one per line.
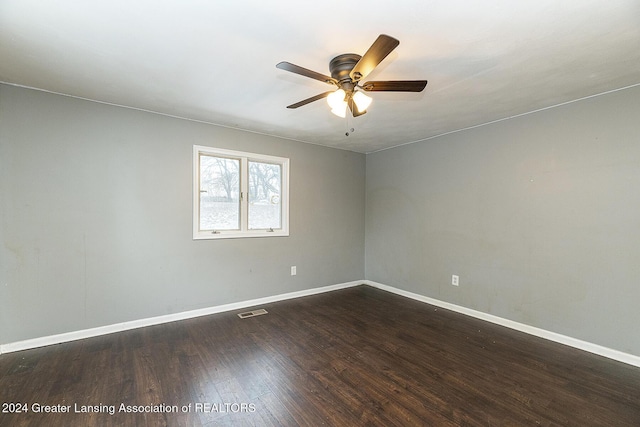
pixel 354 357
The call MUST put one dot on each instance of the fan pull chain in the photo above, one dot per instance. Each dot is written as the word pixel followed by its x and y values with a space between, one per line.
pixel 349 130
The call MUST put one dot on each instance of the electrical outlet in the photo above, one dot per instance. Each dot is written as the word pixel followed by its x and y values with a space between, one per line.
pixel 455 280
pixel 293 270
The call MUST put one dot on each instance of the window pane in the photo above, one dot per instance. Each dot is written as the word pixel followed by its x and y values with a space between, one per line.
pixel 265 184
pixel 219 193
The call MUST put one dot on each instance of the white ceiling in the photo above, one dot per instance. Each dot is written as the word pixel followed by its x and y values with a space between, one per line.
pixel 214 61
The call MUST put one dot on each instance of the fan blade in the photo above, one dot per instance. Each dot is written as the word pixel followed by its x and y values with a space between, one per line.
pixel 395 86
pixel 379 50
pixel 310 100
pixel 354 108
pixel 287 66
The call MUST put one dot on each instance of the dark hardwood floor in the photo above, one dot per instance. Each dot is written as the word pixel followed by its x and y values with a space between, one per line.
pixel 358 356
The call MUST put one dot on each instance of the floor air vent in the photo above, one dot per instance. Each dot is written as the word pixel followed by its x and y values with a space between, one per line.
pixel 252 313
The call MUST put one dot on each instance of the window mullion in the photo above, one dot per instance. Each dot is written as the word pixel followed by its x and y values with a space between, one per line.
pixel 244 199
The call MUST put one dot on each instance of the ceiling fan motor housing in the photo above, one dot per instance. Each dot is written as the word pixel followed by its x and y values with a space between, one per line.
pixel 341 66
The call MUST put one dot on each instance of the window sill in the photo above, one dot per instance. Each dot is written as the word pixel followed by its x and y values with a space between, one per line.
pixel 208 235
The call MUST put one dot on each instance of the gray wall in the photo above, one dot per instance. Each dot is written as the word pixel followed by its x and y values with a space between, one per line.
pixel 538 215
pixel 95 218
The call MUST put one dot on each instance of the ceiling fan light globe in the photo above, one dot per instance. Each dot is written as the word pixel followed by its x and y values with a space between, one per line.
pixel 340 110
pixel 362 101
pixel 336 99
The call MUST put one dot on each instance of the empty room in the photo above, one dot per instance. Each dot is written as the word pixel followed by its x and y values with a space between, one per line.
pixel 278 214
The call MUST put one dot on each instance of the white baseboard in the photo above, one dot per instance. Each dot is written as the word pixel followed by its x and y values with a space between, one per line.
pixel 531 330
pixel 124 326
pixel 108 329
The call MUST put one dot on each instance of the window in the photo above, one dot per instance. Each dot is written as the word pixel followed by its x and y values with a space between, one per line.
pixel 239 194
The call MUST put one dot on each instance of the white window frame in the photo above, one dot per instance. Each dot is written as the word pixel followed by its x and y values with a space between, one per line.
pixel 244 158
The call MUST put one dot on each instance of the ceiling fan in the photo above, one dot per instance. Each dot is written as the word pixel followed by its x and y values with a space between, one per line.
pixel 347 71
